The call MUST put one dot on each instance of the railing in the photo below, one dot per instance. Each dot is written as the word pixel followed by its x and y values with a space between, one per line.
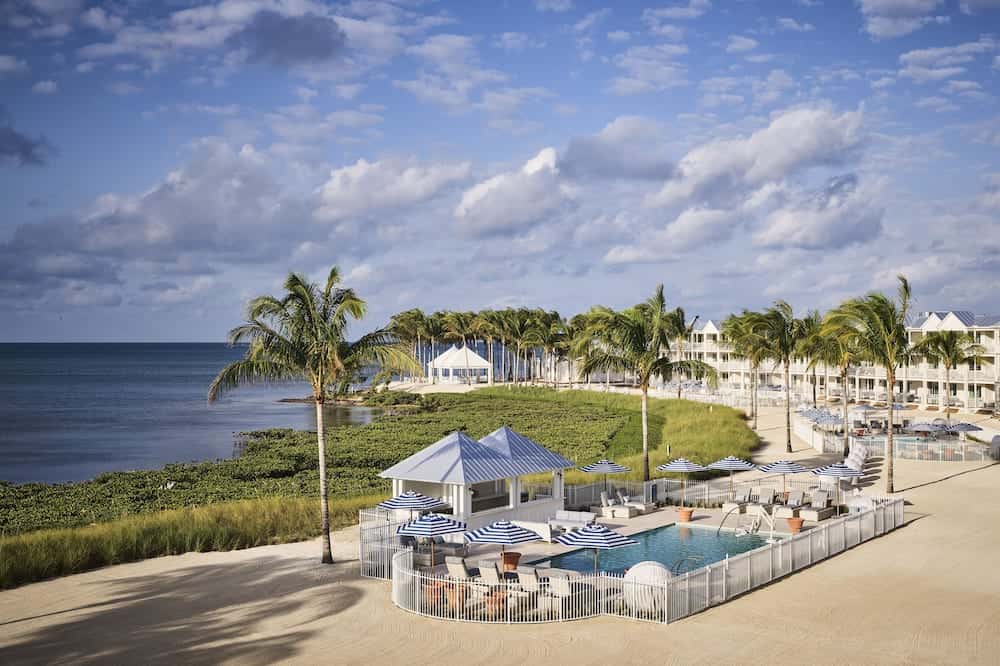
pixel 943 450
pixel 589 494
pixel 377 542
pixel 558 598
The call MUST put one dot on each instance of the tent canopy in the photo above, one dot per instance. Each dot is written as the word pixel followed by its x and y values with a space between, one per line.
pixel 455 357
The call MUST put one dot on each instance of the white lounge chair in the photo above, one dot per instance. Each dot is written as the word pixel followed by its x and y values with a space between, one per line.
pixel 641 507
pixel 458 569
pixel 818 508
pixel 790 509
pixel 609 509
pixel 565 598
pixel 765 500
pixel 740 501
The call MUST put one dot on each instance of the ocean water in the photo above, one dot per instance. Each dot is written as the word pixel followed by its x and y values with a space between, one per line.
pixel 69 412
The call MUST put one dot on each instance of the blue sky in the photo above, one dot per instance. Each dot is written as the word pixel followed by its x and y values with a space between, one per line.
pixel 163 162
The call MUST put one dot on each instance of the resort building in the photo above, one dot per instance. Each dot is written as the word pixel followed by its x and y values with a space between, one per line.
pixel 972 387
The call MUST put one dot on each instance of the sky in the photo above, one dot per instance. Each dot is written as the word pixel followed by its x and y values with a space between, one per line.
pixel 163 162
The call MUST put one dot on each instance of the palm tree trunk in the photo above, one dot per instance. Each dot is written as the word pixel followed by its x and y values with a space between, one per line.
pixel 847 433
pixel 465 346
pixel 490 350
pixel 890 450
pixel 324 503
pixel 947 394
pixel 788 410
pixel 814 388
pixel 753 398
pixel 645 437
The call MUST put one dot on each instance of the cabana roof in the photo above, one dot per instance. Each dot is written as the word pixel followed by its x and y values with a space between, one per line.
pixel 455 357
pixel 459 459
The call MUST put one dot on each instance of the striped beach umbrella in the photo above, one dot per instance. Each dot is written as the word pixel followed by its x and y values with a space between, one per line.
pixel 838 471
pixel 431 525
pixel 596 536
pixel 963 427
pixel 685 467
pixel 926 428
pixel 783 467
pixel 732 464
pixel 502 532
pixel 605 467
pixel 411 501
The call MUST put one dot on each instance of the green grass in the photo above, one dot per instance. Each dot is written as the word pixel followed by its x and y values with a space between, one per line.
pixel 268 495
pixel 45 554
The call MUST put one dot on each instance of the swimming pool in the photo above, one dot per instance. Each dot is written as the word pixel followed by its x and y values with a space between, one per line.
pixel 678 547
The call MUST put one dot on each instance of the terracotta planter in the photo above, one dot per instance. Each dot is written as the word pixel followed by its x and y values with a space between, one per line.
pixel 795 525
pixel 684 514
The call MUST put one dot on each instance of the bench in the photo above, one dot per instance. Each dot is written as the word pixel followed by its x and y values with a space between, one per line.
pixel 571 520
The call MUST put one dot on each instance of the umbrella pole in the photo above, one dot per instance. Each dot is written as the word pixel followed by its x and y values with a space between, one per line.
pixel 732 486
pixel 684 489
pixel 595 561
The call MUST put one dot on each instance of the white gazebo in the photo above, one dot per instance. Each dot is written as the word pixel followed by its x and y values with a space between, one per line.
pixel 481 480
pixel 462 364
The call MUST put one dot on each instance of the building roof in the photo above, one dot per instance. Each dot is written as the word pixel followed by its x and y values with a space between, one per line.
pixel 455 357
pixel 459 459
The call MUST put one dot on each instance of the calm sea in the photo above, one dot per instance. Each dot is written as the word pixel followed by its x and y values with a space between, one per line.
pixel 71 411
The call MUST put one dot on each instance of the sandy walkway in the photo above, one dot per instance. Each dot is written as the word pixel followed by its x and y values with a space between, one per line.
pixel 927 593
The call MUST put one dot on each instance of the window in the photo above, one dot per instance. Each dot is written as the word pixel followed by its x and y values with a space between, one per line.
pixel 489 495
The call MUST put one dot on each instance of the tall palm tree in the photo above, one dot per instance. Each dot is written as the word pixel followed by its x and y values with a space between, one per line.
pixel 782 333
pixel 747 342
pixel 408 327
pixel 484 324
pixel 837 347
pixel 303 336
pixel 682 331
pixel 879 328
pixel 637 340
pixel 433 329
pixel 949 349
pixel 810 343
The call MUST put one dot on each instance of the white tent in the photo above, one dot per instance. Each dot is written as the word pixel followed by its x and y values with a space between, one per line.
pixel 457 365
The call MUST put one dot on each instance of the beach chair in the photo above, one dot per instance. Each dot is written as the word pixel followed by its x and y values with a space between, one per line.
pixel 458 569
pixel 565 598
pixel 489 573
pixel 740 501
pixel 790 509
pixel 765 500
pixel 641 507
pixel 818 508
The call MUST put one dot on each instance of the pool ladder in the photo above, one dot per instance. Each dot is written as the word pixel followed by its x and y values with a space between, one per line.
pixel 675 568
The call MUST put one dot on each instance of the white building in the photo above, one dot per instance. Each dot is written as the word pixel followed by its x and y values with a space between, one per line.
pixel 482 480
pixel 972 387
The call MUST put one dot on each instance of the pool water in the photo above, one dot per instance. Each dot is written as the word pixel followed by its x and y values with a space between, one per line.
pixel 679 548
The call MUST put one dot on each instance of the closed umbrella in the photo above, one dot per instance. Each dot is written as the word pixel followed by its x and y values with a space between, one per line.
pixel 732 464
pixel 685 467
pixel 783 467
pixel 838 471
pixel 596 536
pixel 429 526
pixel 605 467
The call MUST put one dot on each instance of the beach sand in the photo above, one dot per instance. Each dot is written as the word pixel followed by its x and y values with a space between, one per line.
pixel 926 593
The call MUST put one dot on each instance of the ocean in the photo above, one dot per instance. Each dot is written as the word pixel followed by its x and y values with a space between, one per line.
pixel 69 412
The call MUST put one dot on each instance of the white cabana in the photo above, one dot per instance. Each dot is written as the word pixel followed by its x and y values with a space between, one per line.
pixel 458 365
pixel 481 480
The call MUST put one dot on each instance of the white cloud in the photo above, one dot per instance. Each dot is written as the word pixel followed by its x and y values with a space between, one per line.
pixel 619 36
pixel 46 87
pixel 693 228
pixel 629 147
pixel 771 89
pixel 455 71
pixel 516 41
pixel 758 58
pixel 649 69
pixel 591 20
pixel 85 67
pixel 794 141
pixel 938 104
pixel 741 44
pixel 123 88
pixel 792 25
pixel 692 10
pixel 348 90
pixel 513 200
pixel 975 6
pixel 12 65
pixel 886 19
pixel 367 188
pixel 935 64
pixel 98 19
pixel 554 5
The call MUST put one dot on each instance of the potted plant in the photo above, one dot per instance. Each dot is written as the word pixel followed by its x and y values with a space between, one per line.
pixel 684 514
pixel 795 524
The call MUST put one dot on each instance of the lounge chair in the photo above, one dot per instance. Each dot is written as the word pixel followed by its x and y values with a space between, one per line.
pixel 765 500
pixel 789 509
pixel 458 569
pixel 565 598
pixel 740 501
pixel 818 508
pixel 641 507
pixel 609 509
pixel 489 573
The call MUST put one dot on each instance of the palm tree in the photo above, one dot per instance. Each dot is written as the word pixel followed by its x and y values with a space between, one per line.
pixel 879 328
pixel 484 324
pixel 459 326
pixel 950 349
pixel 747 342
pixel 303 336
pixel 433 330
pixel 810 343
pixel 837 347
pixel 408 327
pixel 782 333
pixel 637 340
pixel 682 331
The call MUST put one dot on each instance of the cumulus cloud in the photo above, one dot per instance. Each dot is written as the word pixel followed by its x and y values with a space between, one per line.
pixel 554 5
pixel 453 73
pixel 649 69
pixel 692 10
pixel 629 147
pixel 936 103
pixel 794 140
pixel 367 188
pixel 99 19
pixel 935 64
pixel 885 19
pixel 740 44
pixel 280 40
pixel 792 25
pixel 511 201
pixel 841 214
pixel 693 228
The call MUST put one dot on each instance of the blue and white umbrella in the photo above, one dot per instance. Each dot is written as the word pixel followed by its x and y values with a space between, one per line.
pixel 596 536
pixel 411 501
pixel 685 467
pixel 605 467
pixel 963 427
pixel 838 471
pixel 502 532
pixel 732 464
pixel 864 408
pixel 925 427
pixel 431 525
pixel 783 467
